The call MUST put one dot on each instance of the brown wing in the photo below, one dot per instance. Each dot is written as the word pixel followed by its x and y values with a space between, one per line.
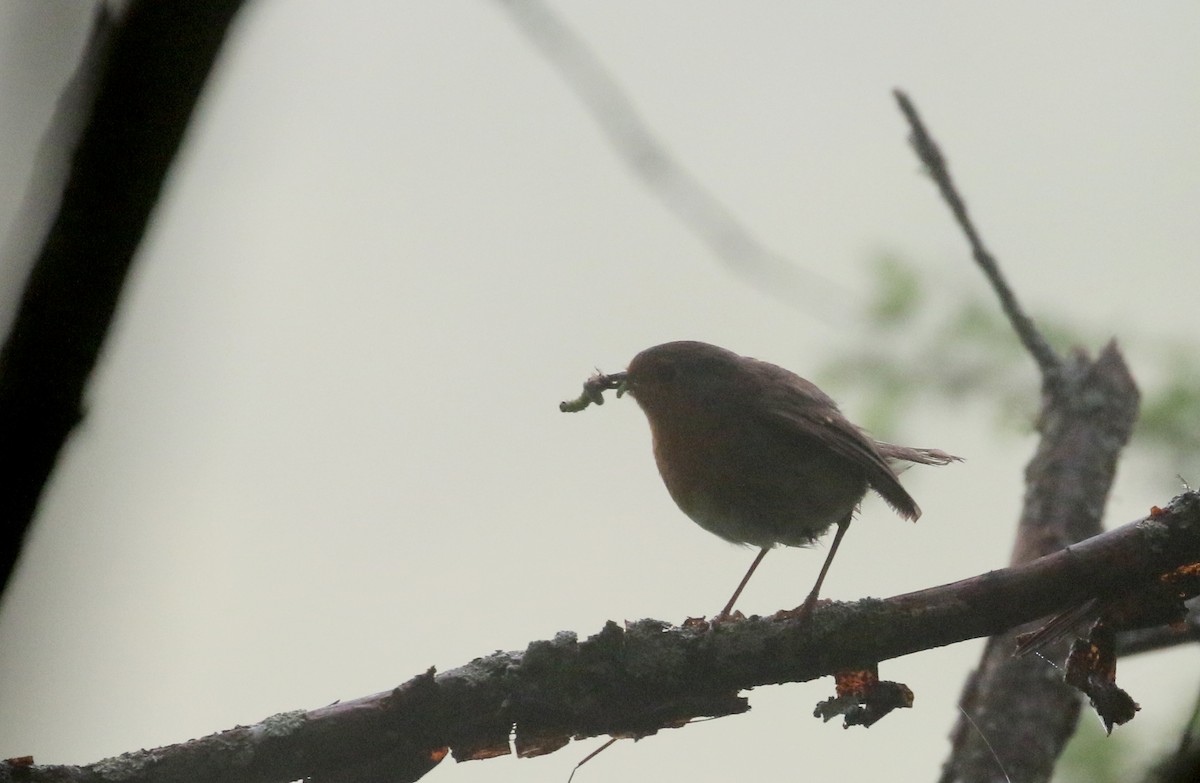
pixel 792 404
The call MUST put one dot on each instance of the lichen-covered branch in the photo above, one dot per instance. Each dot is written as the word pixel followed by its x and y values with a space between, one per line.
pixel 646 676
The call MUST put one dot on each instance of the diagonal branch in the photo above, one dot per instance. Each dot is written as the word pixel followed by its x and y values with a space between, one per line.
pixel 650 675
pixel 662 173
pixel 935 163
pixel 157 61
pixel 1087 416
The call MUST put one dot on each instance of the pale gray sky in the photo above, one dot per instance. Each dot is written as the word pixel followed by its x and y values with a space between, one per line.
pixel 323 451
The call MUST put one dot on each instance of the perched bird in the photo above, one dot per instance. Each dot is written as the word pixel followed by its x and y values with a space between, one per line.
pixel 756 454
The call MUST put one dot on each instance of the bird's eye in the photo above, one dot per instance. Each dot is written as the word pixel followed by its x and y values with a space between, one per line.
pixel 666 373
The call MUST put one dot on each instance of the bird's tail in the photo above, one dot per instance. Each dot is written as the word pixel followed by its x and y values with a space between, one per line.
pixel 899 459
pixel 896 455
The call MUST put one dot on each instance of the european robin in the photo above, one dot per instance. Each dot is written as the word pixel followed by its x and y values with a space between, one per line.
pixel 756 454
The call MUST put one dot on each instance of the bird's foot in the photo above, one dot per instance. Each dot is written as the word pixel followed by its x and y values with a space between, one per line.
pixel 801 612
pixel 727 617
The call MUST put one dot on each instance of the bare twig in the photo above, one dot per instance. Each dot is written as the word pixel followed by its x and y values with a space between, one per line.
pixel 649 675
pixel 663 174
pixel 931 156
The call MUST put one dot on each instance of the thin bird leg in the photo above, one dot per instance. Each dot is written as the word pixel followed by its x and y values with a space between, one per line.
pixel 725 613
pixel 805 609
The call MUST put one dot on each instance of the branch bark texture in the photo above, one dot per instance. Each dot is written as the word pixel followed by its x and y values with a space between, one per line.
pixel 646 676
pixel 1021 706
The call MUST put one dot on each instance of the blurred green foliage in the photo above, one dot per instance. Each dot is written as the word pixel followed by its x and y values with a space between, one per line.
pixel 963 352
pixel 922 345
pixel 1095 757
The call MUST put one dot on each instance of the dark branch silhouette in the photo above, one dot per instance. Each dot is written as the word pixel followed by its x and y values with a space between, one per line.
pixel 647 676
pixel 158 58
pixel 931 156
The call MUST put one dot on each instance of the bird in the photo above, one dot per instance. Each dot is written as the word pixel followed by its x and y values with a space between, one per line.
pixel 757 455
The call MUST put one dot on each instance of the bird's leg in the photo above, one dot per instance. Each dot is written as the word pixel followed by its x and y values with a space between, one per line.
pixel 726 612
pixel 805 609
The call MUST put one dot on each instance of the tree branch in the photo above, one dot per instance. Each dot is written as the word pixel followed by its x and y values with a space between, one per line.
pixel 661 172
pixel 650 675
pixel 1160 637
pixel 158 60
pixel 931 156
pixel 1088 411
